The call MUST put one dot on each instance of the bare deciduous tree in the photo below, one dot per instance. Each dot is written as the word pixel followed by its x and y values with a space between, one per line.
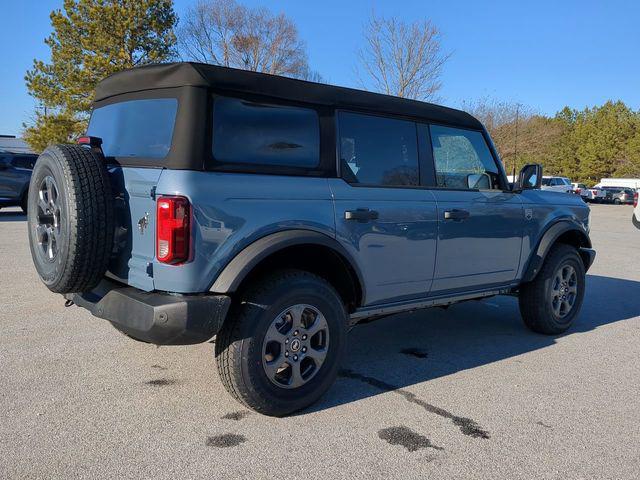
pixel 402 59
pixel 226 33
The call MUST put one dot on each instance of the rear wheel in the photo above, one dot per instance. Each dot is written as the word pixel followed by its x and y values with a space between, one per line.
pixel 281 347
pixel 616 201
pixel 550 303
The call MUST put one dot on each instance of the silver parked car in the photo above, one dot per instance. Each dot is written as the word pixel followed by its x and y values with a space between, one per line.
pixel 620 195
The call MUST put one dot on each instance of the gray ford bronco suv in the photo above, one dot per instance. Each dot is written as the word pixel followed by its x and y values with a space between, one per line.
pixel 273 214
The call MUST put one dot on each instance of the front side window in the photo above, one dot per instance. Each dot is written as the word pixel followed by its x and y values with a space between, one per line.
pixel 463 159
pixel 378 150
pixel 135 128
pixel 252 133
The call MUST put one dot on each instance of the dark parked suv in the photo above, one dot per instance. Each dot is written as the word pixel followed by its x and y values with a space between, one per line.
pixel 15 173
pixel 274 214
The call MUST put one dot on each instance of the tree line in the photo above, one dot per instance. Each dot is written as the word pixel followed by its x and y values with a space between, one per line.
pixel 92 39
pixel 584 145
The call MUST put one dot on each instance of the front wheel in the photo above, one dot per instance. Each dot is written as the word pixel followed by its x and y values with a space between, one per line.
pixel 282 345
pixel 550 303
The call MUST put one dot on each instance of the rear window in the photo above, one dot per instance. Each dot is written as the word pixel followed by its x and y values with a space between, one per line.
pixel 135 128
pixel 252 133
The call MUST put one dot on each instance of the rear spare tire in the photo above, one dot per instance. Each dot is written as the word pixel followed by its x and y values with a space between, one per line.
pixel 70 218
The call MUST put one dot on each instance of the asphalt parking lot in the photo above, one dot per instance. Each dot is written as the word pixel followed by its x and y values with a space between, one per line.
pixel 466 392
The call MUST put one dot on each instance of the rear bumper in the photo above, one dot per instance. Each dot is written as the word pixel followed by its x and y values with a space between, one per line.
pixel 154 317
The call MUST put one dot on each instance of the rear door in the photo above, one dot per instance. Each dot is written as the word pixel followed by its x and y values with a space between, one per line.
pixel 480 225
pixel 383 217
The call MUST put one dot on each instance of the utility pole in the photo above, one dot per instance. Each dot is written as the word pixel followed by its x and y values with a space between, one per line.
pixel 515 148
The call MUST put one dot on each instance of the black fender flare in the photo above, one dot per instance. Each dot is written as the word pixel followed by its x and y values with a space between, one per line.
pixel 232 275
pixel 549 237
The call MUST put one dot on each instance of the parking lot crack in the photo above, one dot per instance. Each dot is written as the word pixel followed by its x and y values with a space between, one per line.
pixel 466 425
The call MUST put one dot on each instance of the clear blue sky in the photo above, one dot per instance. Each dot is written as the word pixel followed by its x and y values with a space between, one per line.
pixel 546 54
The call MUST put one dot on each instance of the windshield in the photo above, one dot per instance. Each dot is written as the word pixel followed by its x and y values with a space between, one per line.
pixel 135 128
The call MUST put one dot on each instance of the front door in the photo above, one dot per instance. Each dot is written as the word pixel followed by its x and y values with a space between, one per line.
pixel 383 218
pixel 480 224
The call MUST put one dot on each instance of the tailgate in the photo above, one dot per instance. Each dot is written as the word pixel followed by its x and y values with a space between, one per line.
pixel 134 242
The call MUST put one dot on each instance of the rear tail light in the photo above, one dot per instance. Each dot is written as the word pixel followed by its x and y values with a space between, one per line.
pixel 635 200
pixel 172 229
pixel 578 191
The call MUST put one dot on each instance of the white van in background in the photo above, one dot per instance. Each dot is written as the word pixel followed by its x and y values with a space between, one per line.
pixel 619 182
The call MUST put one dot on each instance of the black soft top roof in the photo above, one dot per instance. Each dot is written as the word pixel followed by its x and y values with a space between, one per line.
pixel 181 74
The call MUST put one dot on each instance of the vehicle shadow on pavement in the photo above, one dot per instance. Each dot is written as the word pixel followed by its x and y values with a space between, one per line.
pixel 12 217
pixel 403 350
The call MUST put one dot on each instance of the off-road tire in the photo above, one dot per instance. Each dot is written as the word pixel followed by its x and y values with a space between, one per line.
pixel 239 344
pixel 86 218
pixel 534 298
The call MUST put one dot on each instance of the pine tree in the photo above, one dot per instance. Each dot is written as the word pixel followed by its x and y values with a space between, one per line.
pixel 92 39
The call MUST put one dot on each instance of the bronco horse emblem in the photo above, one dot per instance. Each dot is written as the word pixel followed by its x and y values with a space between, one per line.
pixel 143 223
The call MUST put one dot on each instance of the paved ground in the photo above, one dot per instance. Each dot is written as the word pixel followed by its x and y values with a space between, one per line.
pixel 462 393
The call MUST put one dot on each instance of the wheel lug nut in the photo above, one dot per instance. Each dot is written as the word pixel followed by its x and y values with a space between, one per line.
pixel 304 349
pixel 295 334
pixel 286 341
pixel 286 354
pixel 304 337
pixel 295 358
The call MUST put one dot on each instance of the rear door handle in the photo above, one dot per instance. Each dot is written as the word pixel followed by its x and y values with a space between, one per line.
pixel 456 214
pixel 361 215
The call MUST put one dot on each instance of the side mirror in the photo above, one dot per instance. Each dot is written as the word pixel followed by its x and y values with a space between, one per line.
pixel 479 181
pixel 530 177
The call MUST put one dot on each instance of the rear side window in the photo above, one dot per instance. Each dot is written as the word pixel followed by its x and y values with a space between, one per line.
pixel 378 150
pixel 135 128
pixel 462 159
pixel 252 133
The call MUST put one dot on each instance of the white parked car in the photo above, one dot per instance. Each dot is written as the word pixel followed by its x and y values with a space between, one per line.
pixel 589 194
pixel 557 184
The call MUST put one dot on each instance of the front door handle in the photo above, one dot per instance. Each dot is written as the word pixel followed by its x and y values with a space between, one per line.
pixel 361 215
pixel 456 214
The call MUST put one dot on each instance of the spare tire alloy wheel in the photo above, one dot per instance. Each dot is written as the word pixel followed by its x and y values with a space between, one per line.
pixel 70 218
pixel 48 231
pixel 295 346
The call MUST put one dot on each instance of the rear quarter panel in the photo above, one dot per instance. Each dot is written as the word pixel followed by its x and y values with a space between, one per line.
pixel 230 211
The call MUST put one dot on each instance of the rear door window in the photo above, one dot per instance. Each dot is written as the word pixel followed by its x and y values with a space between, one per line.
pixel 378 151
pixel 251 133
pixel 135 128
